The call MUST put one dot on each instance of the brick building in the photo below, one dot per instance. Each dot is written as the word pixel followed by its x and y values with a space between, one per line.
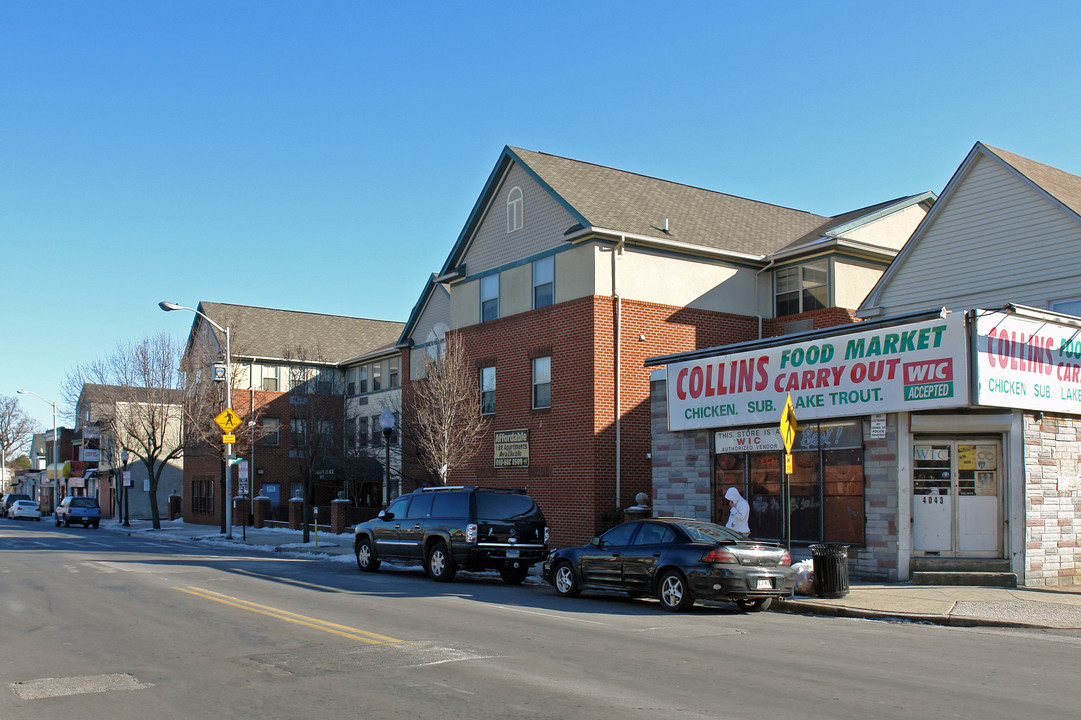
pixel 567 276
pixel 289 374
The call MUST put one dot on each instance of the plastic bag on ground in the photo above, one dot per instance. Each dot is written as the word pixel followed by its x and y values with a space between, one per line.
pixel 804 577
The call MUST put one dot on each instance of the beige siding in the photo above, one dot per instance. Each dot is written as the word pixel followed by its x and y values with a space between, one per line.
pixel 464 303
pixel 516 290
pixel 996 241
pixel 891 231
pixel 852 280
pixel 574 271
pixel 545 222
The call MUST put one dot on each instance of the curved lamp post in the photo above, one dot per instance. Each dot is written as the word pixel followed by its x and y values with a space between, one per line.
pixel 56 449
pixel 168 307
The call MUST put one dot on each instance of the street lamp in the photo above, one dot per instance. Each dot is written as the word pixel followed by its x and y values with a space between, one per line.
pixel 56 448
pixel 124 484
pixel 386 422
pixel 168 307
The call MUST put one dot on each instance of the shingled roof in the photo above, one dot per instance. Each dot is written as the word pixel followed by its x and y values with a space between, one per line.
pixel 1059 184
pixel 269 333
pixel 625 202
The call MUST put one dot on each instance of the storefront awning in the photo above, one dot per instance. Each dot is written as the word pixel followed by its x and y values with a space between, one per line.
pixel 65 470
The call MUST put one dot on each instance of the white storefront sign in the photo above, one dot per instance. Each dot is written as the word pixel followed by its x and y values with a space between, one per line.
pixel 749 440
pixel 1026 363
pixel 918 366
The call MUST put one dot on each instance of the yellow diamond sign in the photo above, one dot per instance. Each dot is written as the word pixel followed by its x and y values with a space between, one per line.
pixel 228 420
pixel 788 424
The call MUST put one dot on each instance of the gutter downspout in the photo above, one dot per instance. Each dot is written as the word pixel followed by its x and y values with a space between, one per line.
pixel 616 341
pixel 757 314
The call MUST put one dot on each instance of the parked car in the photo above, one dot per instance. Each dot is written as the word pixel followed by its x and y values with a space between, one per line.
pixel 677 560
pixel 450 528
pixel 9 499
pixel 25 509
pixel 78 509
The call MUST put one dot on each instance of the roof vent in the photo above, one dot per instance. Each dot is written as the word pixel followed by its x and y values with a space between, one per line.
pixel 666 226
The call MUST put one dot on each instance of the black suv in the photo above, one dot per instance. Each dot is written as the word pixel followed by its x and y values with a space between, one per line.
pixel 450 528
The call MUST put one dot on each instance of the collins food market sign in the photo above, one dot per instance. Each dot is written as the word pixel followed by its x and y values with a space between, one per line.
pixel 1027 363
pixel 918 366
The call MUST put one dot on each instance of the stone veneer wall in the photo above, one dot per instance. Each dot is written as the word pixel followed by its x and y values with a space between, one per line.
pixel 877 559
pixel 682 475
pixel 1052 502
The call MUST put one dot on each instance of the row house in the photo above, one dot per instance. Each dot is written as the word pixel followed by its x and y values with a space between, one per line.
pixel 567 276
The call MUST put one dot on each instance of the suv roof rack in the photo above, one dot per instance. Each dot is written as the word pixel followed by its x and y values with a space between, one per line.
pixel 441 488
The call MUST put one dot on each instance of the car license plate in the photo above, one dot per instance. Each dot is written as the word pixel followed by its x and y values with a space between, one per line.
pixel 512 553
pixel 764 584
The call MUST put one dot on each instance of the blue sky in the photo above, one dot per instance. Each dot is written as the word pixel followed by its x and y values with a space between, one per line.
pixel 324 156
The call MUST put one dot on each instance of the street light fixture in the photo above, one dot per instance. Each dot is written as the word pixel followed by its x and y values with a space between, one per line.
pixel 386 422
pixel 124 485
pixel 168 307
pixel 56 449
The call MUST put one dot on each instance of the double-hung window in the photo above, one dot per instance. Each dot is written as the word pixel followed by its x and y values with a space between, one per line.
pixel 487 390
pixel 270 431
pixel 297 428
pixel 543 282
pixel 271 378
pixel 542 382
pixel 489 297
pixel 802 288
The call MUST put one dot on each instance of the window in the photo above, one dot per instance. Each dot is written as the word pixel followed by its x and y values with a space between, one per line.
pixel 487 390
pixel 377 377
pixel 351 381
pixel 1072 306
pixel 362 431
pixel 350 433
pixel 543 284
pixel 271 378
pixel 377 432
pixel 297 429
pixel 515 207
pixel 542 382
pixel 489 298
pixel 450 504
pixel 802 288
pixel 362 379
pixel 421 507
pixel 393 380
pixel 270 431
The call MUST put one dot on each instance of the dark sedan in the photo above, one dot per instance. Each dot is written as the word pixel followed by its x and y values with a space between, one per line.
pixel 679 561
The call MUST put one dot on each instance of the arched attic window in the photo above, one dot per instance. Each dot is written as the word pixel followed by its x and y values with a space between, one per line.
pixel 515 206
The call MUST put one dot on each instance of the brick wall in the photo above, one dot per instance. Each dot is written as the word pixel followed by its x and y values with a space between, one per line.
pixel 1052 500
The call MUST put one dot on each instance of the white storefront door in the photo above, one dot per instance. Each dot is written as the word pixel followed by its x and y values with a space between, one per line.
pixel 957 497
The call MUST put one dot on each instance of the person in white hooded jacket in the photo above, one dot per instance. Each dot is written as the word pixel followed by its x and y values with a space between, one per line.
pixel 739 513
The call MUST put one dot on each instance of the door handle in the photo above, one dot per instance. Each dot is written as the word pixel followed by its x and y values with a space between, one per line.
pixel 656 554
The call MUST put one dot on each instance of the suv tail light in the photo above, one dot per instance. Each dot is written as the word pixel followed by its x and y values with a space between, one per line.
pixel 546 534
pixel 720 555
pixel 471 532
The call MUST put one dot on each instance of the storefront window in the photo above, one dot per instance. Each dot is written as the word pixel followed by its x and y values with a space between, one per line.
pixel 825 487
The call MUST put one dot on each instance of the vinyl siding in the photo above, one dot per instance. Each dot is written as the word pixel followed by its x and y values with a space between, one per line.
pixel 995 241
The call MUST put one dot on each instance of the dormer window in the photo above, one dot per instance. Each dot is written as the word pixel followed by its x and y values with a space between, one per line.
pixel 801 288
pixel 515 206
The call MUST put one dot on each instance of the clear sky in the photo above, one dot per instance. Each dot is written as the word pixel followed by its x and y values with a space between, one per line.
pixel 323 156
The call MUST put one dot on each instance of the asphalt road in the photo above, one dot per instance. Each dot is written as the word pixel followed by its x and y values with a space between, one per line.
pixel 100 625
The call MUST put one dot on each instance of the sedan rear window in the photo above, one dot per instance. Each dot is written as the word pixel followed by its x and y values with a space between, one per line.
pixel 503 506
pixel 707 532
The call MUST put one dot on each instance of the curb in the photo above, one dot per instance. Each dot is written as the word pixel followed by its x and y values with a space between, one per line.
pixel 798 607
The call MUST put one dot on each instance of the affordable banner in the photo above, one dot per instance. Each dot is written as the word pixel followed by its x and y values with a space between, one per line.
pixel 917 366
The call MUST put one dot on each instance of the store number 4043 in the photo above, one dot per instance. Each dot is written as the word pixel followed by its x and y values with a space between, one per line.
pixel 933 500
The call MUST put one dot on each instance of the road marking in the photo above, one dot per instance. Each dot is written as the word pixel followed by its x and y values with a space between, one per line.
pixel 333 628
pixel 553 616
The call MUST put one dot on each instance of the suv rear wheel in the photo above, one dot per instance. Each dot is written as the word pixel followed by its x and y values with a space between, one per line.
pixel 440 563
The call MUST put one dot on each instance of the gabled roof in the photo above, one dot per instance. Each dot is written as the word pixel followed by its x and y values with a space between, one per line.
pixel 270 334
pixel 612 202
pixel 1058 187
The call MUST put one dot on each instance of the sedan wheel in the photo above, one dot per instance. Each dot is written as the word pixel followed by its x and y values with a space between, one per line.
pixel 565 582
pixel 673 592
pixel 754 605
pixel 440 563
pixel 366 559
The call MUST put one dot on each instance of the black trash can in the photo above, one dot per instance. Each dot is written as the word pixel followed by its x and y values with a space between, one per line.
pixel 830 570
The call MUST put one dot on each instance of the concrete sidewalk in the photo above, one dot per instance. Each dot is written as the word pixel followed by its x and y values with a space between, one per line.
pixel 959 606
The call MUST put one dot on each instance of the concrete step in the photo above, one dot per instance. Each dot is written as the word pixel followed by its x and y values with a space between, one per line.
pixel 944 577
pixel 937 564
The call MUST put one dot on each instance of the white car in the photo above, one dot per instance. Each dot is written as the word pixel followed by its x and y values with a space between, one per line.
pixel 25 509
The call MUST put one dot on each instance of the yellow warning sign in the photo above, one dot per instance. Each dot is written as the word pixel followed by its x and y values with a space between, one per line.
pixel 788 424
pixel 228 439
pixel 228 420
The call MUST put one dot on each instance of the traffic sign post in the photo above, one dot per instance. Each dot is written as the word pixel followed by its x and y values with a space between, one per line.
pixel 788 435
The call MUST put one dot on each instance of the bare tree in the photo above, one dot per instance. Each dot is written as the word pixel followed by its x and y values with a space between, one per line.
pixel 316 424
pixel 445 425
pixel 16 429
pixel 139 393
